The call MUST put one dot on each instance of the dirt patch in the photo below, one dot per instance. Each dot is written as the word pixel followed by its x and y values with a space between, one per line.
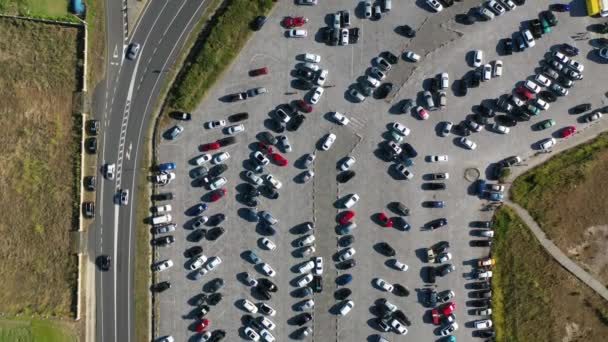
pixel 39 152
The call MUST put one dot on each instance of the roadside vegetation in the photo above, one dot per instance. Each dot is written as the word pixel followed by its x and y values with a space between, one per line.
pixel 533 297
pixel 36 331
pixel 212 54
pixel 43 9
pixel 40 139
pixel 567 197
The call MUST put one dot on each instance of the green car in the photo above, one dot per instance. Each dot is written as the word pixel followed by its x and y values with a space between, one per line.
pixel 546 124
pixel 532 110
pixel 546 28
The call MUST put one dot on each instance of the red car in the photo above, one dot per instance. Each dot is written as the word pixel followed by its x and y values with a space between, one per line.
pixel 436 316
pixel 210 146
pixel 449 308
pixel 522 91
pixel 290 22
pixel 201 327
pixel 303 106
pixel 347 216
pixel 385 220
pixel 568 131
pixel 258 72
pixel 279 159
pixel 218 194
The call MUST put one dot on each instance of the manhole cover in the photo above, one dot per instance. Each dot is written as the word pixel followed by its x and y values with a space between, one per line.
pixel 471 174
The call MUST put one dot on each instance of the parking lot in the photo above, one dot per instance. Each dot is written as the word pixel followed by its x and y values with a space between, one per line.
pixel 444 46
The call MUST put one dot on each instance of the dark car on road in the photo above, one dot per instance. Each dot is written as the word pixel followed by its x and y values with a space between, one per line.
pixel 479 303
pixel 443 270
pixel 400 290
pixel 383 90
pixel 193 251
pixel 163 240
pixel 91 145
pixel 431 274
pixel 407 31
pixel 214 233
pixel 165 196
pixel 93 127
pixel 238 117
pixel 434 186
pixel 105 262
pixel 480 285
pixel 386 249
pixel 507 46
pixel 345 176
pixel 258 22
pixel 223 142
pixel 302 318
pixel 481 294
pixel 481 243
pixel 345 265
pixel 438 223
pixel 581 108
pixel 89 183
pixel 342 293
pixel 162 286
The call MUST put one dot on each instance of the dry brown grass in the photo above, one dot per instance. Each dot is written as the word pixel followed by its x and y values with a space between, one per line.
pixel 38 65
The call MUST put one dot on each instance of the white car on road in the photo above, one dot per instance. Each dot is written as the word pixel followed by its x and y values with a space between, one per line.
pixel 346 307
pixel 249 306
pixel 306 267
pixel 435 158
pixel 383 284
pixel 477 58
pixel 213 263
pixel 273 181
pixel 483 324
pixel 269 271
pixel 346 254
pixel 316 95
pixel 163 265
pixel 329 140
pixel 400 128
pixel 221 157
pixel 251 334
pixel 312 58
pixel 235 129
pixel 468 143
pixel 198 262
pixel 498 128
pixel 399 265
pixel 318 266
pixel 297 33
pixel 412 56
pixel 110 171
pixel 547 143
pixel 347 163
pixel 268 244
pixel 351 200
pixel 341 119
pixel 304 280
pixel 435 5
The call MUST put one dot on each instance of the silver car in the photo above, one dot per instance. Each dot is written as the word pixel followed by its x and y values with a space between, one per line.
pixel 428 98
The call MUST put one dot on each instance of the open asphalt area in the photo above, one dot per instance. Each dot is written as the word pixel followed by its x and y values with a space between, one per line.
pixel 444 46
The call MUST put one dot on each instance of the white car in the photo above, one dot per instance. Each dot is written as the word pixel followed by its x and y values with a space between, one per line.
pixel 250 280
pixel 449 329
pixel 484 275
pixel 198 262
pixel 269 271
pixel 307 2
pixel 163 265
pixel 329 140
pixel 487 233
pixel 398 327
pixel 528 38
pixel 547 143
pixel 283 142
pixel 268 244
pixel 372 82
pixel 266 322
pixel 368 9
pixel 394 147
pixel 221 157
pixel 466 142
pixel 215 124
pixel 560 57
pixel 486 13
pixel 251 334
pixel 351 200
pixel 313 67
pixel 483 324
pixel 382 64
pixel 255 179
pixel 346 254
pixel 306 305
pixel 347 163
pixel 318 266
pixel 533 87
pixel 356 94
pixel 435 5
pixel 435 158
pixel 446 128
pixel 312 58
pixel 346 307
pixel 496 7
pixel 498 68
pixel 336 18
pixel 322 77
pixel 445 257
pixel 235 129
pixel 498 128
pixel 404 171
pixel 399 265
pixel 400 128
pixel 341 119
pixel 477 58
pixel 218 183
pixel 486 73
pixel 445 80
pixel 575 65
pixel 213 263
pixel 273 181
pixel 202 159
pixel 509 4
pixel 344 36
pixel 267 216
pixel 542 80
pixel 378 74
pixel 541 104
pixel 110 171
pixel 316 95
pixel 306 240
pixel 124 197
pixel 383 284
pixel 297 33
pixel 266 335
pixel 162 208
pixel 249 306
pixel 304 280
pixel 260 159
pixel 412 56
pixel 306 267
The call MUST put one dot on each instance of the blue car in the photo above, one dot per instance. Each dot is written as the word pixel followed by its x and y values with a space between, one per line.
pixel 166 167
pixel 560 7
pixel 344 279
pixel 495 196
pixel 436 204
pixel 252 257
pixel 198 209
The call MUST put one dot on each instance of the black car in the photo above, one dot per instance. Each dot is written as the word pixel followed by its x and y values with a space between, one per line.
pixel 520 42
pixel 193 251
pixel 217 335
pixel 547 96
pixel 89 183
pixel 481 243
pixel 431 275
pixel 390 57
pixel 91 145
pixel 536 28
pixel 295 122
pixel 215 284
pixel 214 298
pixel 559 7
pixel 441 247
pixel 106 262
pixel 353 35
pixel 434 84
pixel 197 235
pixel 461 129
pixel 89 209
pixel 236 97
pixel 258 22
pixel 474 80
pixel 480 285
pixel 486 333
pixel 434 186
pixel 268 138
pixel 447 3
pixel 461 87
pixel 342 293
pixel 520 114
pixel 507 46
pixel 165 196
pixel 580 108
pixel 438 223
pixel 249 190
pixel 569 50
pixel 344 18
pixel 226 141
pixel 481 294
pixel 267 284
pixel 249 201
pixel 549 17
pixel 383 324
pixel 214 233
pixel 269 192
pixel 93 127
pixel 346 240
pixel 216 219
pixel 386 249
pixel 487 112
pixel 506 120
pixel 163 241
pixel 409 150
pixel 238 117
pixel 480 119
pixel 302 318
pixel 326 34
pixel 400 208
pixel 398 314
pixel 407 31
pixel 383 90
pixel 162 286
pixel 345 176
pixel 317 284
pixel 184 116
pixel 345 265
pixel 480 303
pixel 202 311
pixel 251 321
pixel 430 300
pixel 400 290
pixel 305 75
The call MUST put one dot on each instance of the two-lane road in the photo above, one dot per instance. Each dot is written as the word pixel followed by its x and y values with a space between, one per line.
pixel 132 89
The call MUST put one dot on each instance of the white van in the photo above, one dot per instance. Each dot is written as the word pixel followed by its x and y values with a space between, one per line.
pixel 388 5
pixel 161 219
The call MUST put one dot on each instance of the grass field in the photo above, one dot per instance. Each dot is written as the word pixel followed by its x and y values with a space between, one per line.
pixel 39 151
pixel 533 297
pixel 566 196
pixel 36 8
pixel 35 331
pixel 229 31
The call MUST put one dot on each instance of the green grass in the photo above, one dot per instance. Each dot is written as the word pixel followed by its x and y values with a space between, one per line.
pixel 533 297
pixel 35 331
pixel 45 9
pixel 533 190
pixel 214 54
